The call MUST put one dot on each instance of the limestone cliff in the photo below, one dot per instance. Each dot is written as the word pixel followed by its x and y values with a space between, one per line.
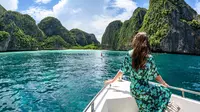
pixel 172 26
pixel 110 37
pixel 130 28
pixel 82 38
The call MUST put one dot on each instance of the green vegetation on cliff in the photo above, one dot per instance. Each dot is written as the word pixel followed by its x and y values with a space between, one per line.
pixel 79 36
pixel 2 10
pixel 24 22
pixel 19 26
pixel 20 41
pixel 82 38
pixel 130 28
pixel 4 40
pixel 195 24
pixel 4 35
pixel 160 19
pixel 20 32
pixel 52 26
pixel 172 26
pixel 110 37
pixel 75 37
pixel 54 42
pixel 118 35
pixel 154 22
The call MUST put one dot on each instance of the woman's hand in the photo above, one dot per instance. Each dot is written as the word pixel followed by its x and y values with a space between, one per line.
pixel 119 74
pixel 165 84
pixel 108 81
pixel 161 81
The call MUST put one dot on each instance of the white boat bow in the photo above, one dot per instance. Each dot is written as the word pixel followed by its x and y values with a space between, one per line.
pixel 116 97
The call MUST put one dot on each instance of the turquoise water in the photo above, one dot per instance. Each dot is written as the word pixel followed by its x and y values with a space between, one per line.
pixel 44 81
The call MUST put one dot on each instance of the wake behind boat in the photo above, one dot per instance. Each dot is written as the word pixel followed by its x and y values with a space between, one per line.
pixel 116 97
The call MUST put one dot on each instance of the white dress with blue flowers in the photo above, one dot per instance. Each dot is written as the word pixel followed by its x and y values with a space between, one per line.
pixel 149 98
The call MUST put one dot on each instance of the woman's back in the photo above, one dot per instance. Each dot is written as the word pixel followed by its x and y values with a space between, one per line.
pixel 149 98
pixel 148 72
pixel 139 65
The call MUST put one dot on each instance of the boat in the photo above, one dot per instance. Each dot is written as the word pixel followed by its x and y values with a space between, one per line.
pixel 116 97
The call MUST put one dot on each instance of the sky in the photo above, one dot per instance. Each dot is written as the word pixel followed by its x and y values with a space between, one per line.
pixel 92 16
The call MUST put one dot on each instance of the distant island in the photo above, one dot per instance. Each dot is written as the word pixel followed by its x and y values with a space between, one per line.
pixel 172 25
pixel 19 32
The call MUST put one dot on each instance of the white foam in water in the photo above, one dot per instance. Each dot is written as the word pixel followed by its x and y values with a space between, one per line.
pixel 192 67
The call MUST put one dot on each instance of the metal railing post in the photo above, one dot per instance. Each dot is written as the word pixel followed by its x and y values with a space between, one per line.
pixel 183 93
pixel 92 107
pixel 91 104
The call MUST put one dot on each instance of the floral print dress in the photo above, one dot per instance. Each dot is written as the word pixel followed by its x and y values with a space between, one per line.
pixel 149 98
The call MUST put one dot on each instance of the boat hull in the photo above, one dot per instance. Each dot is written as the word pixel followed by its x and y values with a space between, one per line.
pixel 117 98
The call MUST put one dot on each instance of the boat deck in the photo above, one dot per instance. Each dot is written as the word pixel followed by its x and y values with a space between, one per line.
pixel 117 98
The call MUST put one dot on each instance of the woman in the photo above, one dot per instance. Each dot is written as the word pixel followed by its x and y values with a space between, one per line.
pixel 140 66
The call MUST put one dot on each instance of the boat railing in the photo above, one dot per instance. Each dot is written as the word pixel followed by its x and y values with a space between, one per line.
pixel 180 89
pixel 91 104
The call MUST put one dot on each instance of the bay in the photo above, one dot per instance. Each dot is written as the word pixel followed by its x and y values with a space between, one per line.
pixel 67 80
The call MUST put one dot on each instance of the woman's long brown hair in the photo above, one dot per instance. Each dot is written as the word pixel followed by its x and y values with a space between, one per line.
pixel 141 50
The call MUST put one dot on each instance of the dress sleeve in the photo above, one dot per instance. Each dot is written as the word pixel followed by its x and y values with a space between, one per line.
pixel 125 65
pixel 153 72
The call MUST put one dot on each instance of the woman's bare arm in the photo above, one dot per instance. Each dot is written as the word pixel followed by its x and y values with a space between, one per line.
pixel 118 75
pixel 161 81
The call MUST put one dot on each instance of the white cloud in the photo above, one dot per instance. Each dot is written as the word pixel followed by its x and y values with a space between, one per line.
pixel 197 6
pixel 9 4
pixel 61 7
pixel 38 13
pixel 128 5
pixel 60 11
pixel 83 18
pixel 75 11
pixel 42 1
pixel 73 24
pixel 101 21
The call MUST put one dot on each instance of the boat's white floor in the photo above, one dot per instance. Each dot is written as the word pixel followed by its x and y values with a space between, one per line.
pixel 117 98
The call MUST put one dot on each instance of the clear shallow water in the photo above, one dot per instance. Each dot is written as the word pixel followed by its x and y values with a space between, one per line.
pixel 67 80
